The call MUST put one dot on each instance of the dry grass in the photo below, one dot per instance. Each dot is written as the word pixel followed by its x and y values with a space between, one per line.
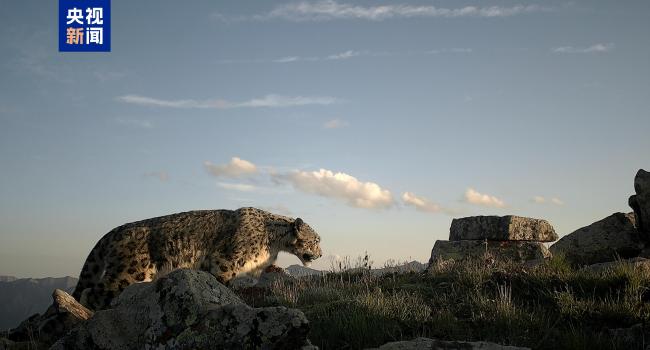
pixel 550 306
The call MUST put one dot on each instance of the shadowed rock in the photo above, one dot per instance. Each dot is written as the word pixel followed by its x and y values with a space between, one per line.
pixel 640 203
pixel 638 264
pixel 605 240
pixel 502 228
pixel 520 251
pixel 24 297
pixel 64 314
pixel 187 309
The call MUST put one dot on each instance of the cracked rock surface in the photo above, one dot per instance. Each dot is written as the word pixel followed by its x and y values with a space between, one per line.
pixel 187 309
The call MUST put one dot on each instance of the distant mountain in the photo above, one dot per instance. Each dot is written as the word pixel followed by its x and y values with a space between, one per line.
pixel 23 297
pixel 413 266
pixel 7 278
pixel 301 271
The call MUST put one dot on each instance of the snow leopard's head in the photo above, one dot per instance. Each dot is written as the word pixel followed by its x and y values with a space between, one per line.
pixel 305 242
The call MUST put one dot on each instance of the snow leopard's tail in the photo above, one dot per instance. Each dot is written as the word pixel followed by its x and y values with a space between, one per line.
pixel 92 271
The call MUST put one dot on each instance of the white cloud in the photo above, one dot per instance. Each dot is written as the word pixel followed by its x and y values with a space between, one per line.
pixel 421 204
pixel 349 54
pixel 288 59
pixel 474 197
pixel 543 200
pixel 278 209
pixel 344 55
pixel 332 10
pixel 269 101
pixel 237 186
pixel 339 186
pixel 333 57
pixel 235 168
pixel 335 124
pixel 596 48
pixel 160 175
pixel 286 101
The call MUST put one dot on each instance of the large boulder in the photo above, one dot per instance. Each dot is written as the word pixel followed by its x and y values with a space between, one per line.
pixel 605 240
pixel 519 251
pixel 433 344
pixel 501 228
pixel 640 203
pixel 187 309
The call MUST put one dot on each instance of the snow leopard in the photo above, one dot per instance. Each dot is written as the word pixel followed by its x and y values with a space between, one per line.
pixel 226 243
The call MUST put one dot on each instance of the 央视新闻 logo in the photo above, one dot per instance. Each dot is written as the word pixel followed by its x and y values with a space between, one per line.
pixel 84 25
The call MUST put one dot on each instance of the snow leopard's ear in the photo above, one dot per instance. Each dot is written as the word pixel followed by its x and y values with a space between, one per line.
pixel 297 224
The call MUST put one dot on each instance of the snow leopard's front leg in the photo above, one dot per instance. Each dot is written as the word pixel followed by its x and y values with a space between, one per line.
pixel 222 268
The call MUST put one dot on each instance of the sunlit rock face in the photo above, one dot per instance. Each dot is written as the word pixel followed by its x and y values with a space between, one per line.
pixel 502 228
pixel 510 237
pixel 605 240
pixel 519 251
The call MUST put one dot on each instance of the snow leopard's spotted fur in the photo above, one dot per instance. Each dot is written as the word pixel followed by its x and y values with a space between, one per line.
pixel 226 243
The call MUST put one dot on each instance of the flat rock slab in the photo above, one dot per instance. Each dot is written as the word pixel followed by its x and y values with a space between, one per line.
pixel 502 228
pixel 640 203
pixel 606 240
pixel 519 251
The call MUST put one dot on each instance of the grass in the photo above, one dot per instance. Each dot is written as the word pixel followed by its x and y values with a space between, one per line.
pixel 549 306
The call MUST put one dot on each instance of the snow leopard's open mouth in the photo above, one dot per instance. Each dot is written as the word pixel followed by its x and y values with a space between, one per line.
pixel 307 259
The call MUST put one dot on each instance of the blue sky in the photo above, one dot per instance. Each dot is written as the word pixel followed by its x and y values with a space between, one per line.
pixel 375 122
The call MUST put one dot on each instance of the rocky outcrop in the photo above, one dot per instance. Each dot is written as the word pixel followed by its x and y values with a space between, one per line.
pixel 63 315
pixel 640 203
pixel 605 240
pixel 511 250
pixel 433 344
pixel 187 309
pixel 24 297
pixel 502 228
pixel 509 237
pixel 6 344
pixel 638 264
pixel 630 338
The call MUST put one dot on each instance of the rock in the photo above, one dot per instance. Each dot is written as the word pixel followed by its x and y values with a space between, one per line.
pixel 637 263
pixel 501 228
pixel 187 309
pixel 433 344
pixel 64 314
pixel 640 203
pixel 6 344
pixel 24 297
pixel 632 337
pixel 302 271
pixel 520 251
pixel 241 282
pixel 605 240
pixel 267 279
pixel 269 276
